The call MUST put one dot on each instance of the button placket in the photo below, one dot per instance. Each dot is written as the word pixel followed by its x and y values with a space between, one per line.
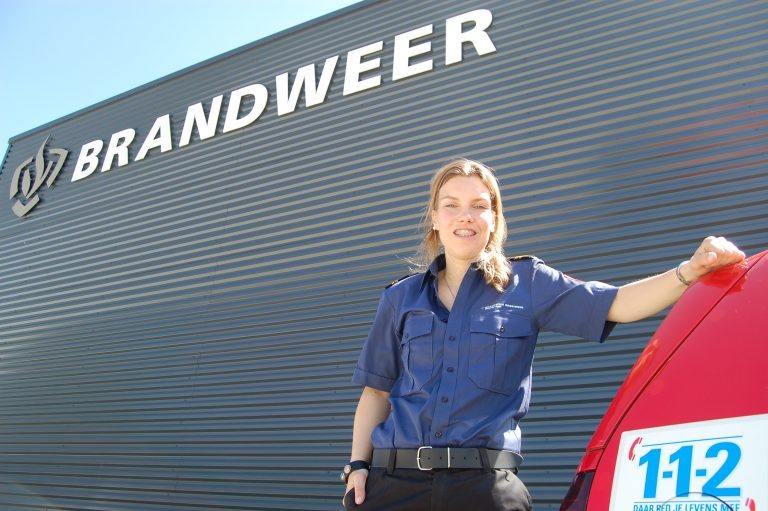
pixel 448 383
pixel 450 361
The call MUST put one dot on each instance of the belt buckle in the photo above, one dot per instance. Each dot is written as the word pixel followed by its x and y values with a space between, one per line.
pixel 418 458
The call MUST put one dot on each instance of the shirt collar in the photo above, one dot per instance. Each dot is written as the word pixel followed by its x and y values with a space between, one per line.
pixel 432 272
pixel 437 265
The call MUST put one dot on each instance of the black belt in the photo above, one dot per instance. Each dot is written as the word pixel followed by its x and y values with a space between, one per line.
pixel 429 458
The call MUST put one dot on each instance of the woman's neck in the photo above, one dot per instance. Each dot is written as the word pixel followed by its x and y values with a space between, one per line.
pixel 454 271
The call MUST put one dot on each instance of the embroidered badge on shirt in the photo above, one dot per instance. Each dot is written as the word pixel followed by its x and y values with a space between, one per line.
pixel 502 306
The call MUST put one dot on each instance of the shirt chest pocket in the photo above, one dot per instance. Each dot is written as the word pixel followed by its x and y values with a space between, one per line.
pixel 500 351
pixel 416 350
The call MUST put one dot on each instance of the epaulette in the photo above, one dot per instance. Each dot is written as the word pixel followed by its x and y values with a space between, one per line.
pixel 521 257
pixel 398 280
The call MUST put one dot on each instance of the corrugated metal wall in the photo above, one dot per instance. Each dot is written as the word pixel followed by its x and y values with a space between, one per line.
pixel 179 334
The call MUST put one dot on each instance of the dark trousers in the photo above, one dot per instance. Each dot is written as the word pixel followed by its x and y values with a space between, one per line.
pixel 442 490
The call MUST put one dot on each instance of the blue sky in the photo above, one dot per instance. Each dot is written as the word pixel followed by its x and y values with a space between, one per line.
pixel 59 56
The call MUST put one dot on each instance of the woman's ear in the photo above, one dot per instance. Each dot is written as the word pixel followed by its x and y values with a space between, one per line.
pixel 434 220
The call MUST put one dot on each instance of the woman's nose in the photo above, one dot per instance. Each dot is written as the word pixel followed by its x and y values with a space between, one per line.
pixel 466 216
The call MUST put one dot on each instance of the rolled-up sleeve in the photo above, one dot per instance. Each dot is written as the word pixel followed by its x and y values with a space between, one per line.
pixel 570 306
pixel 379 364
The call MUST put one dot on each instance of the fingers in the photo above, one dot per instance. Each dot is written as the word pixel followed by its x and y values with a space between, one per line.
pixel 713 253
pixel 357 480
pixel 721 252
pixel 360 477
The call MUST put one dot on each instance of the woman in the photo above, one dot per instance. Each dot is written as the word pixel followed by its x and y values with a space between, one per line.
pixel 446 367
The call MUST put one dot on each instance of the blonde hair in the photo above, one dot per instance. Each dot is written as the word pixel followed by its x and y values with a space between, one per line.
pixel 492 261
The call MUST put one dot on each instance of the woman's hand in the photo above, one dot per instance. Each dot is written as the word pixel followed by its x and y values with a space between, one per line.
pixel 372 410
pixel 357 480
pixel 713 253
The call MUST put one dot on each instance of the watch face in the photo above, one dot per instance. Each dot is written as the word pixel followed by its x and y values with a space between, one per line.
pixel 345 473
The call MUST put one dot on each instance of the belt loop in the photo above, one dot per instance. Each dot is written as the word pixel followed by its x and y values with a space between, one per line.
pixel 391 458
pixel 484 458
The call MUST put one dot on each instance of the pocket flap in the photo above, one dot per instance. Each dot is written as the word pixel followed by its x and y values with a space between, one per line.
pixel 502 325
pixel 417 325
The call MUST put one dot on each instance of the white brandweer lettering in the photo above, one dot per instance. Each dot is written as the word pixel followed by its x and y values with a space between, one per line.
pixel 412 55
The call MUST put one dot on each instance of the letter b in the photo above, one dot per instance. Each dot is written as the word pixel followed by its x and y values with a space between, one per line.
pixel 88 160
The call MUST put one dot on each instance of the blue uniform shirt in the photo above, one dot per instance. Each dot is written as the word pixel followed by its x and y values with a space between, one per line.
pixel 463 378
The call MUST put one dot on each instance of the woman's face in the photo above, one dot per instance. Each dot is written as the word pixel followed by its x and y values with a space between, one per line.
pixel 463 218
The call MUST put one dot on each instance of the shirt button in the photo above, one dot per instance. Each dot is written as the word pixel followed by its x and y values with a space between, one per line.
pixel 444 399
pixel 407 335
pixel 501 330
pixel 452 338
pixel 450 369
pixel 438 434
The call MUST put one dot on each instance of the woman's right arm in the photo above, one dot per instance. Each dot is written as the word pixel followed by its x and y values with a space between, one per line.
pixel 372 410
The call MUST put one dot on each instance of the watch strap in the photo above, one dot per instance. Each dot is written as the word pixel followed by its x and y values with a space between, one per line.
pixel 353 466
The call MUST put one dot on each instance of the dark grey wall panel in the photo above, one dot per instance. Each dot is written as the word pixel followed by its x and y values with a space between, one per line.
pixel 179 333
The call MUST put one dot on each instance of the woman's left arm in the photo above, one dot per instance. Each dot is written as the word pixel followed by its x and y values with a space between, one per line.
pixel 646 297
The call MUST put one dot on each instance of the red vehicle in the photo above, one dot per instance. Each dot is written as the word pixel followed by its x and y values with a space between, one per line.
pixel 688 429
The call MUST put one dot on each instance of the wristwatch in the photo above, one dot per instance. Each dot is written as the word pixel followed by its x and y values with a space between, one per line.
pixel 351 467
